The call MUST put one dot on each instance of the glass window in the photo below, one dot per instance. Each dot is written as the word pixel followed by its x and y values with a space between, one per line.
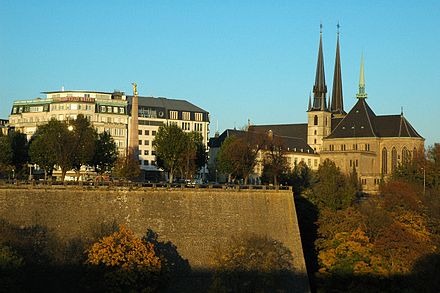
pixel 147 132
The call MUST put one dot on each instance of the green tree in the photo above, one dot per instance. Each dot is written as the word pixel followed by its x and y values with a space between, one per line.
pixel 126 167
pixel 193 158
pixel 19 145
pixel 332 189
pixel 170 143
pixel 105 154
pixel 302 177
pixel 238 155
pixel 224 162
pixel 40 151
pixel 6 155
pixel 274 162
pixel 84 137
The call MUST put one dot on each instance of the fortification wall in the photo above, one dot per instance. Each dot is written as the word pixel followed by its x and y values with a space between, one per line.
pixel 198 221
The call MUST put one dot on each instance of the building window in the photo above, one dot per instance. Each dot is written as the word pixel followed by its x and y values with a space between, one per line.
pixel 315 132
pixel 109 109
pixel 153 133
pixel 147 132
pixel 393 159
pixel 357 163
pixel 146 152
pixel 121 110
pixel 153 153
pixel 384 161
pixel 367 146
pixel 355 147
pixel 309 162
pixel 186 116
pixel 145 162
pixel 315 120
pixel 146 142
pixel 315 140
pixel 140 132
pixel 103 109
pixel 342 147
pixel 140 142
pixel 198 116
pixel 316 162
pixel 406 156
pixel 173 115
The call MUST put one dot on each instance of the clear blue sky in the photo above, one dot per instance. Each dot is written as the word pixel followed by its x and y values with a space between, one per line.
pixel 236 59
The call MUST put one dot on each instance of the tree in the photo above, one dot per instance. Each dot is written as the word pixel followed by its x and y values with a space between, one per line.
pixel 19 145
pixel 302 177
pixel 6 155
pixel 84 137
pixel 332 189
pixel 126 167
pixel 40 151
pixel 130 263
pixel 274 162
pixel 193 158
pixel 253 264
pixel 224 162
pixel 105 154
pixel 170 143
pixel 238 155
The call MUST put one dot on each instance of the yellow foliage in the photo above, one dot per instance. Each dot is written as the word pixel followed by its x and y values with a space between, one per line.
pixel 124 250
pixel 350 252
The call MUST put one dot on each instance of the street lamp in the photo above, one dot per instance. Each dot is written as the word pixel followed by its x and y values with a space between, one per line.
pixel 70 128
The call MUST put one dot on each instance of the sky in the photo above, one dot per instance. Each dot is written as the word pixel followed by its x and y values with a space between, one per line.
pixel 238 60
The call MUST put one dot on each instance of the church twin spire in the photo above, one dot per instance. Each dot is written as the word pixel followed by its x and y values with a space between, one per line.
pixel 336 105
pixel 320 88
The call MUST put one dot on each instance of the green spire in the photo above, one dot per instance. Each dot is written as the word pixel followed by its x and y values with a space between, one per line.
pixel 362 94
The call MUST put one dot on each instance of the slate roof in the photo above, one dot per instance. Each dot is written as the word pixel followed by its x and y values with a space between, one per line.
pixel 361 121
pixel 293 144
pixel 168 104
pixel 288 130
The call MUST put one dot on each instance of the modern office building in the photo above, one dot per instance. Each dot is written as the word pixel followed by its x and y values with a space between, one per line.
pixel 111 112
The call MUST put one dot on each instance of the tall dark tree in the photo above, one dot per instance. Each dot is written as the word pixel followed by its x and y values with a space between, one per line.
pixel 274 162
pixel 19 145
pixel 40 151
pixel 332 189
pixel 170 143
pixel 238 155
pixel 6 155
pixel 105 153
pixel 84 137
pixel 194 156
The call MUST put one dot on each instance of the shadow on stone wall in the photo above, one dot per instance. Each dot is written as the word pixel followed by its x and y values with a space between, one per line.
pixel 34 259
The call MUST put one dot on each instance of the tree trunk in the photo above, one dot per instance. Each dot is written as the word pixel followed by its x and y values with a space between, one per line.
pixel 170 176
pixel 275 181
pixel 63 174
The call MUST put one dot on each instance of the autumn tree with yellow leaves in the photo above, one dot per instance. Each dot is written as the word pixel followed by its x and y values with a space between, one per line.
pixel 128 262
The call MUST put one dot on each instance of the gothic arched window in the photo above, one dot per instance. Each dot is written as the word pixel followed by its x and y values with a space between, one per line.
pixel 384 161
pixel 393 159
pixel 405 155
pixel 315 120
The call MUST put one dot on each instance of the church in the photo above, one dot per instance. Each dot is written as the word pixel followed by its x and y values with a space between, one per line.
pixel 372 144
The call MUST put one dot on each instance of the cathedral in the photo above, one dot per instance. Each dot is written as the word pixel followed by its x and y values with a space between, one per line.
pixel 373 145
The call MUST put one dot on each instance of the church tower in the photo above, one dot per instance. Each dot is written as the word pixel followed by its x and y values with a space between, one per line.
pixel 337 103
pixel 319 115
